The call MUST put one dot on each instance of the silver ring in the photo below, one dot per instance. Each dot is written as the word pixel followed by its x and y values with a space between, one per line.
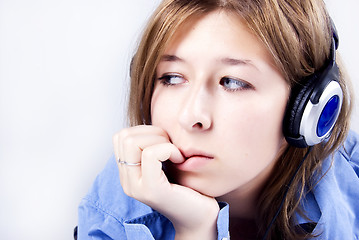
pixel 129 164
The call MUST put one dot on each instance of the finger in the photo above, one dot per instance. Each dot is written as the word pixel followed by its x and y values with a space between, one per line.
pixel 115 142
pixel 128 133
pixel 133 155
pixel 132 145
pixel 152 158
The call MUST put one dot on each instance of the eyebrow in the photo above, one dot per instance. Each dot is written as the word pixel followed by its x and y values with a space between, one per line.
pixel 234 62
pixel 226 61
pixel 238 62
pixel 171 58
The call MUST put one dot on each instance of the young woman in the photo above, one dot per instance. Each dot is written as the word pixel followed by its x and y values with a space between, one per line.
pixel 215 148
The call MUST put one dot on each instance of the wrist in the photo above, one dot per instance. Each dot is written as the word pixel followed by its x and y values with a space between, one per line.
pixel 205 233
pixel 205 229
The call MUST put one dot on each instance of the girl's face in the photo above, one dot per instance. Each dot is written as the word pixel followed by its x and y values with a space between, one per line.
pixel 221 100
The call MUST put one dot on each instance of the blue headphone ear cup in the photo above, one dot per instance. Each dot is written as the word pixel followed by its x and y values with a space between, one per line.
pixel 299 98
pixel 313 108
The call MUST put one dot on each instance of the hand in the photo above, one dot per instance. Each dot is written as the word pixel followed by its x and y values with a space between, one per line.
pixel 193 214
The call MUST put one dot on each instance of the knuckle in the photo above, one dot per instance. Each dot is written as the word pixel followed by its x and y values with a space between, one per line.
pixel 128 141
pixel 162 132
pixel 116 135
pixel 124 133
pixel 128 192
pixel 148 153
pixel 125 188
pixel 122 138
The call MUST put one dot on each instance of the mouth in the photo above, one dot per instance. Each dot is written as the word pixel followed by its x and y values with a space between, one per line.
pixel 194 160
pixel 193 153
pixel 198 156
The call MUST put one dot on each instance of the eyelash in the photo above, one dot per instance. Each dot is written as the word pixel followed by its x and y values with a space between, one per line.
pixel 242 85
pixel 165 79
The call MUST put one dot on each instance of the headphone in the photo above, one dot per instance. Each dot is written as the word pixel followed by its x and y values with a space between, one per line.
pixel 312 111
pixel 315 104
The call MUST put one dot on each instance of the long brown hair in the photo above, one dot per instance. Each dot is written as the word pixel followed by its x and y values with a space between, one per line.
pixel 298 35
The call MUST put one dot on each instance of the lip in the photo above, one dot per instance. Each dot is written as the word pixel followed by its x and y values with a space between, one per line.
pixel 194 160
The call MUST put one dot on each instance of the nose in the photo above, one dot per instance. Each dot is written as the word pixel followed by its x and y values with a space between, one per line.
pixel 196 112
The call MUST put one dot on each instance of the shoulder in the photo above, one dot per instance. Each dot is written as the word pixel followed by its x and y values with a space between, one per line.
pixel 350 151
pixel 337 192
pixel 106 209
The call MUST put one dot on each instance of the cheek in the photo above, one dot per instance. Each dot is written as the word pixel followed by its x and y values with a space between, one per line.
pixel 255 118
pixel 253 143
pixel 163 109
pixel 256 128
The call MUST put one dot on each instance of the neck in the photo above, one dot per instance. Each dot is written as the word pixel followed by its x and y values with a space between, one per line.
pixel 242 213
pixel 242 203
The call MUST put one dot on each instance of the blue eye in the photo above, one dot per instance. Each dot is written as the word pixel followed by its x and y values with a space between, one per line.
pixel 231 84
pixel 172 79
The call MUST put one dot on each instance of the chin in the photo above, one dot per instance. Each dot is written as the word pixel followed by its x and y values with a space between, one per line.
pixel 204 190
pixel 191 180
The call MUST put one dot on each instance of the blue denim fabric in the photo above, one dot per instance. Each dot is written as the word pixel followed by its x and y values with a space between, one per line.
pixel 108 213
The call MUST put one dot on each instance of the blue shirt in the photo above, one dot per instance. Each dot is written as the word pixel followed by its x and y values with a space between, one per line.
pixel 108 213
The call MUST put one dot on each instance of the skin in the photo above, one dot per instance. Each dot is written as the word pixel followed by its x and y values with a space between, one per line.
pixel 217 112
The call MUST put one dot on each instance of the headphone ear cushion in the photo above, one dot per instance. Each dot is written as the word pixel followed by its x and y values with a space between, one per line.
pixel 299 98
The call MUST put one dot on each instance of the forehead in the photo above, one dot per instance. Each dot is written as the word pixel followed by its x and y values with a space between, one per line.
pixel 216 34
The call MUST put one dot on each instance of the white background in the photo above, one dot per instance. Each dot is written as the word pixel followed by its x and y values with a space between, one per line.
pixel 63 80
